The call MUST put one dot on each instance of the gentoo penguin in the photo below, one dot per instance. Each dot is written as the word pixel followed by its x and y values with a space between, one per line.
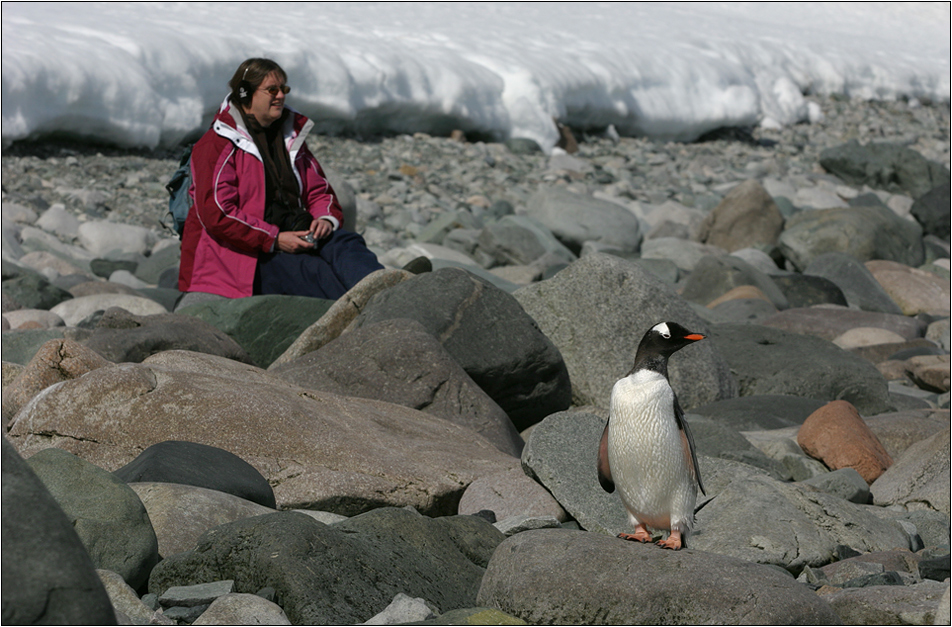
pixel 647 449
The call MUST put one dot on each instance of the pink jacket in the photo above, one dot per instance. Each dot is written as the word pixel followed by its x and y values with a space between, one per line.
pixel 225 229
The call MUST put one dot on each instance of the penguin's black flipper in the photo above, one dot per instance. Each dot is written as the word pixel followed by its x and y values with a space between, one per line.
pixel 604 472
pixel 686 429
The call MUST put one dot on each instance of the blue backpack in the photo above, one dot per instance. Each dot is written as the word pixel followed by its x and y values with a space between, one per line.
pixel 180 202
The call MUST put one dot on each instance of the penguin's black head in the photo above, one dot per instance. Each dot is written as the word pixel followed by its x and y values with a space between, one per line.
pixel 660 342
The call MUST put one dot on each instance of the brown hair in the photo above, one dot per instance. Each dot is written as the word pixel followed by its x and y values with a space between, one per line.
pixel 250 74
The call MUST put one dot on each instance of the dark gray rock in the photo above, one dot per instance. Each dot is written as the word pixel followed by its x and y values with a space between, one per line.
pixel 935 568
pixel 597 310
pixel 845 483
pixel 767 360
pixel 520 240
pixel 761 412
pixel 859 286
pixel 162 295
pixel 805 290
pixel 19 347
pixel 714 276
pixel 48 577
pixel 488 334
pixel 575 219
pixel 931 210
pixel 399 362
pixel 862 232
pixel 105 512
pixel 189 463
pixel 263 325
pixel 120 336
pixel 345 573
pixel 105 267
pixel 881 165
pixel 152 267
pixel 716 439
pixel 198 594
pixel 31 291
pixel 614 582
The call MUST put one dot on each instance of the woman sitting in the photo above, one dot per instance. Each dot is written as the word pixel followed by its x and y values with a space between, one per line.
pixel 265 220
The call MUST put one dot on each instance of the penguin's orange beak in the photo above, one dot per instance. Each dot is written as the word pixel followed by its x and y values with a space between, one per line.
pixel 694 337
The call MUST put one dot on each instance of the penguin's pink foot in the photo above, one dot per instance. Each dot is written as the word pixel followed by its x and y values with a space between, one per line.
pixel 672 542
pixel 640 535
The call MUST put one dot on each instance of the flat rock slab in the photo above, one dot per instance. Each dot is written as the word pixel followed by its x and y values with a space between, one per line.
pixel 558 576
pixel 318 450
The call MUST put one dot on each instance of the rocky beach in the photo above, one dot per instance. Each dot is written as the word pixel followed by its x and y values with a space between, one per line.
pixel 423 449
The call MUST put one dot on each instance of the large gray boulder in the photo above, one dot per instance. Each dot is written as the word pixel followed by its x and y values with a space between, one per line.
pixel 883 165
pixel 767 360
pixel 318 450
pixel 341 314
pixel 597 310
pixel 575 219
pixel 108 516
pixel 861 232
pixel 399 362
pixel 343 573
pixel 919 479
pixel 488 334
pixel 48 577
pixel 554 577
pixel 762 520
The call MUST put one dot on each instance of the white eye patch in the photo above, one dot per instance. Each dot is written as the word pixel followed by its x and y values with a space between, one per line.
pixel 663 329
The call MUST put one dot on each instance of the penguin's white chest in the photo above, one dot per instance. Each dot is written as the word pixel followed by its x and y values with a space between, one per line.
pixel 646 453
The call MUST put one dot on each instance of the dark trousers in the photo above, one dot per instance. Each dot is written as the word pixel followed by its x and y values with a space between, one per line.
pixel 337 264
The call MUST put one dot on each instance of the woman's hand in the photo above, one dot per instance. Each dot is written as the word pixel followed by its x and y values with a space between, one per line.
pixel 321 228
pixel 293 242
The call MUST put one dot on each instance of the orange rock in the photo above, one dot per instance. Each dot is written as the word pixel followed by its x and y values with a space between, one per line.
pixel 836 435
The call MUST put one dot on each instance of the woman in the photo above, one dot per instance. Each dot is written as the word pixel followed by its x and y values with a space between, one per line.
pixel 265 220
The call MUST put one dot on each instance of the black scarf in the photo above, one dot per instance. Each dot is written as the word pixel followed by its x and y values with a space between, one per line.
pixel 282 204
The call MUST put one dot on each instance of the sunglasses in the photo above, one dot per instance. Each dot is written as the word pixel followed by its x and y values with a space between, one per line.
pixel 274 89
